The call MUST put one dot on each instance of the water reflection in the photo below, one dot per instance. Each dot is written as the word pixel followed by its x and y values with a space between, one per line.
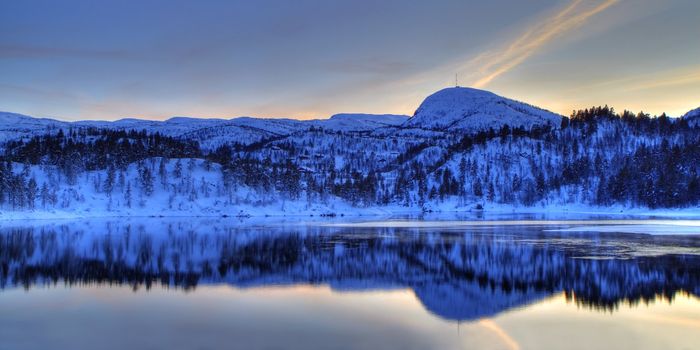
pixel 457 274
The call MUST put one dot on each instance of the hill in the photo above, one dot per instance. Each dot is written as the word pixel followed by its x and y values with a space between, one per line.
pixel 470 110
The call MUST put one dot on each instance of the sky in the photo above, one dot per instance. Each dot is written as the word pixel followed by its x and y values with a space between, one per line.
pixel 100 59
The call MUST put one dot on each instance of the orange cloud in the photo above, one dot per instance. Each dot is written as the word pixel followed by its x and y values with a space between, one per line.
pixel 492 64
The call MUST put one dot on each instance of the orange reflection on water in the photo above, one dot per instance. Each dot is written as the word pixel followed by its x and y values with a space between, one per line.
pixel 502 334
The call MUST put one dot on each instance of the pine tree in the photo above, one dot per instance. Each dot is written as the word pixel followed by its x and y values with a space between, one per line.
pixel 127 194
pixel 45 195
pixel 491 193
pixel 540 185
pixel 146 181
pixel 163 173
pixel 108 185
pixel 602 194
pixel 122 180
pixel 463 166
pixel 478 190
pixel 4 176
pixel 32 190
pixel 177 172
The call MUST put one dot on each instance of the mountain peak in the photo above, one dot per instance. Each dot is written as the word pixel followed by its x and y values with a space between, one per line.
pixel 469 109
pixel 462 92
pixel 693 117
pixel 695 113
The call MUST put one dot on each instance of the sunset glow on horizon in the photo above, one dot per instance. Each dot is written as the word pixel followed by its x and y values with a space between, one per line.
pixel 77 60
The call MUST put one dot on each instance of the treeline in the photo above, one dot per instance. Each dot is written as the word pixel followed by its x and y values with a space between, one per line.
pixel 20 190
pixel 639 122
pixel 93 149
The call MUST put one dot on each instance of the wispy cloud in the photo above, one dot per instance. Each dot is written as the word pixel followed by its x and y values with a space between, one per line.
pixel 489 65
pixel 678 79
pixel 34 92
pixel 667 78
pixel 369 66
pixel 673 91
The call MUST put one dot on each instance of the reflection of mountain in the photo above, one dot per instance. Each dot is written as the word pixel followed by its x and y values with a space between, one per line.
pixel 456 276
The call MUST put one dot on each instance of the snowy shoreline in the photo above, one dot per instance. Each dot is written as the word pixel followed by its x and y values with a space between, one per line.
pixel 489 212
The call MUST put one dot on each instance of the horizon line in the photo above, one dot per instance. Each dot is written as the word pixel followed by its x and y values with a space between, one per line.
pixel 165 118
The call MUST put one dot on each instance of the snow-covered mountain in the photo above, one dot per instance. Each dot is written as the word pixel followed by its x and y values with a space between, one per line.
pixel 15 126
pixel 210 133
pixel 360 122
pixel 454 110
pixel 693 117
pixel 455 153
pixel 469 110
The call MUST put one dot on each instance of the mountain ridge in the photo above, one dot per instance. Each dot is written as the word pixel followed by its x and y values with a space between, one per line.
pixel 453 109
pixel 469 109
pixel 488 111
pixel 693 117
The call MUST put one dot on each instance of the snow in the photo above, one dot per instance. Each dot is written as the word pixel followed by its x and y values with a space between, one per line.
pixel 693 117
pixel 359 122
pixel 14 126
pixel 210 132
pixel 199 192
pixel 474 110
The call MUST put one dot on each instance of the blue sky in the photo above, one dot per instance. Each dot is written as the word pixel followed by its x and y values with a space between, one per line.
pixel 310 59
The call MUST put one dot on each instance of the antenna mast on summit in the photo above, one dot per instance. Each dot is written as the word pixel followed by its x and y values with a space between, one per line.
pixel 456 80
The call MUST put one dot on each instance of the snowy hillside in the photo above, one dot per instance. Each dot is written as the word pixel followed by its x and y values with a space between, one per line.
pixel 470 110
pixel 465 149
pixel 14 126
pixel 210 133
pixel 152 187
pixel 693 117
pixel 359 122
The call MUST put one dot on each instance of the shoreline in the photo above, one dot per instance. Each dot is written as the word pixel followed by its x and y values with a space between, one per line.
pixel 332 214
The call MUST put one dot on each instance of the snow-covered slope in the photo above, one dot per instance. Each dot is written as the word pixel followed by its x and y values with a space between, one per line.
pixel 243 130
pixel 14 126
pixel 454 110
pixel 693 117
pixel 360 122
pixel 153 187
pixel 467 109
pixel 210 133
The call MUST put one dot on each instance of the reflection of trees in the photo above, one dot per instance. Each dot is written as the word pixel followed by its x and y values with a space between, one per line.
pixel 456 276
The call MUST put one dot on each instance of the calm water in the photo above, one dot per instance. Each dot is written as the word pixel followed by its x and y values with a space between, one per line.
pixel 215 284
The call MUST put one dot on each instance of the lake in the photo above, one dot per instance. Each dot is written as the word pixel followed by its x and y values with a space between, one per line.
pixel 189 283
